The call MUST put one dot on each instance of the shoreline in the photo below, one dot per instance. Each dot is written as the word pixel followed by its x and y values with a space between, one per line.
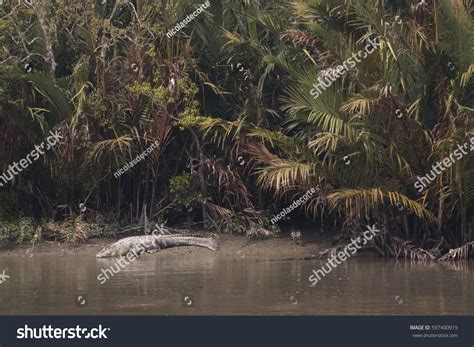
pixel 230 245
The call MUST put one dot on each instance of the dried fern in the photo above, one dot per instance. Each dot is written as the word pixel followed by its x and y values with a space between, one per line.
pixel 301 37
pixel 408 249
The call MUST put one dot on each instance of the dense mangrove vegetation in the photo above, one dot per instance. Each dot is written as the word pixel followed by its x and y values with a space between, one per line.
pixel 240 134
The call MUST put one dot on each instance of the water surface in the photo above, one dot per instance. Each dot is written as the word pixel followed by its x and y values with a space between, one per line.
pixel 170 284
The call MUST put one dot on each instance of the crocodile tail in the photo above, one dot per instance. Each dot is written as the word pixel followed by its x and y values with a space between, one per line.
pixel 212 244
pixel 174 241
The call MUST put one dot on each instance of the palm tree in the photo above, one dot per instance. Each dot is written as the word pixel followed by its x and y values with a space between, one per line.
pixel 364 140
pixel 230 99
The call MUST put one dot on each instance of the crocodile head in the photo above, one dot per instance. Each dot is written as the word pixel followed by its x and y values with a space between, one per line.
pixel 108 251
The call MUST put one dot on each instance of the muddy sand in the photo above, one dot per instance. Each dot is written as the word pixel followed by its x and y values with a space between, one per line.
pixel 230 245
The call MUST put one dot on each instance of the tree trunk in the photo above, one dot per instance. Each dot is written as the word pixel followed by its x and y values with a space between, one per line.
pixel 40 9
pixel 202 177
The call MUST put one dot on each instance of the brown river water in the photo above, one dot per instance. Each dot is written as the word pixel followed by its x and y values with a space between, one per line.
pixel 212 284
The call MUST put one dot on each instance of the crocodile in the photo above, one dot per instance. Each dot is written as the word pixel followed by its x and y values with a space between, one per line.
pixel 152 243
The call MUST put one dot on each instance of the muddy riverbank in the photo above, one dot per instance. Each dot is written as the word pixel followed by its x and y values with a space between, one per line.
pixel 231 245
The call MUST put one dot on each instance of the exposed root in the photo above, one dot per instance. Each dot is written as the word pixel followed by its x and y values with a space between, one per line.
pixel 460 253
pixel 393 246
